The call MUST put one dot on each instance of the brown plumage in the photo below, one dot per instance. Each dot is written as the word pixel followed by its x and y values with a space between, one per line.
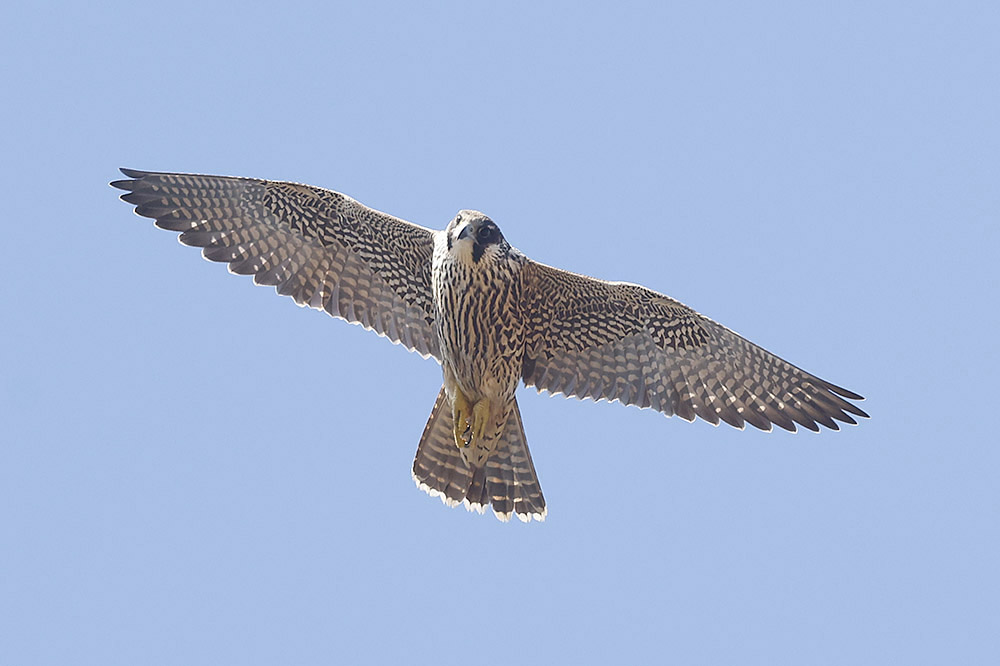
pixel 492 318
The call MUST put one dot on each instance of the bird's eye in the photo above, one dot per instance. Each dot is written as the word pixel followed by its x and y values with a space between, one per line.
pixel 484 233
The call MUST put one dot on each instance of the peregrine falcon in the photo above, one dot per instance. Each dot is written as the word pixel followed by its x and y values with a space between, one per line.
pixel 492 318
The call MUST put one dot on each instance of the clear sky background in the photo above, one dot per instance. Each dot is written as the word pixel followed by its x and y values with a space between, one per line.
pixel 195 471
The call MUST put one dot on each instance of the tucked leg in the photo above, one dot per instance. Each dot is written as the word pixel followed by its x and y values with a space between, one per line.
pixel 461 412
pixel 480 419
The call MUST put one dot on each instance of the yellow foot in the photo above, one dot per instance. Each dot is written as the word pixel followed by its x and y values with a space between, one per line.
pixel 460 418
pixel 480 419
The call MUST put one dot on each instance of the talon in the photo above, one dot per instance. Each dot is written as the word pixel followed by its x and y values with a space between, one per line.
pixel 460 418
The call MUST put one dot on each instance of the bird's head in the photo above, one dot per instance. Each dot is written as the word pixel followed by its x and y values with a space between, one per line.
pixel 473 235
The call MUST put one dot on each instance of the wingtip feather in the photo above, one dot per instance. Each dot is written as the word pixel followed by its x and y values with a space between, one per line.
pixel 123 185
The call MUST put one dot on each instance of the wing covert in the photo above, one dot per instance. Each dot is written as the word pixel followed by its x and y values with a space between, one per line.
pixel 322 248
pixel 617 341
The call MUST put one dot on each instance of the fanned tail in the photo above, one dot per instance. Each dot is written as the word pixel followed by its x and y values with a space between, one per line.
pixel 511 482
pixel 438 468
pixel 507 482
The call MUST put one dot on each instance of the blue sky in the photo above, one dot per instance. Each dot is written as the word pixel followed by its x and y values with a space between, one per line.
pixel 195 471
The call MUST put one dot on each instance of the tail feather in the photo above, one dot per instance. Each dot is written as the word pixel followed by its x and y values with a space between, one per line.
pixel 510 475
pixel 477 497
pixel 507 482
pixel 438 468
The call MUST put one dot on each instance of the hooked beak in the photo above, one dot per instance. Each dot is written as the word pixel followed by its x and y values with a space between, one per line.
pixel 466 231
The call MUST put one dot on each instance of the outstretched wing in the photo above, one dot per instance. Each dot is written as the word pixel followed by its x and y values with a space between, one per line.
pixel 617 341
pixel 322 248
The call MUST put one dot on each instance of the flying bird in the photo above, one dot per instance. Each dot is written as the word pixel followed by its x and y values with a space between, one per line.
pixel 492 318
